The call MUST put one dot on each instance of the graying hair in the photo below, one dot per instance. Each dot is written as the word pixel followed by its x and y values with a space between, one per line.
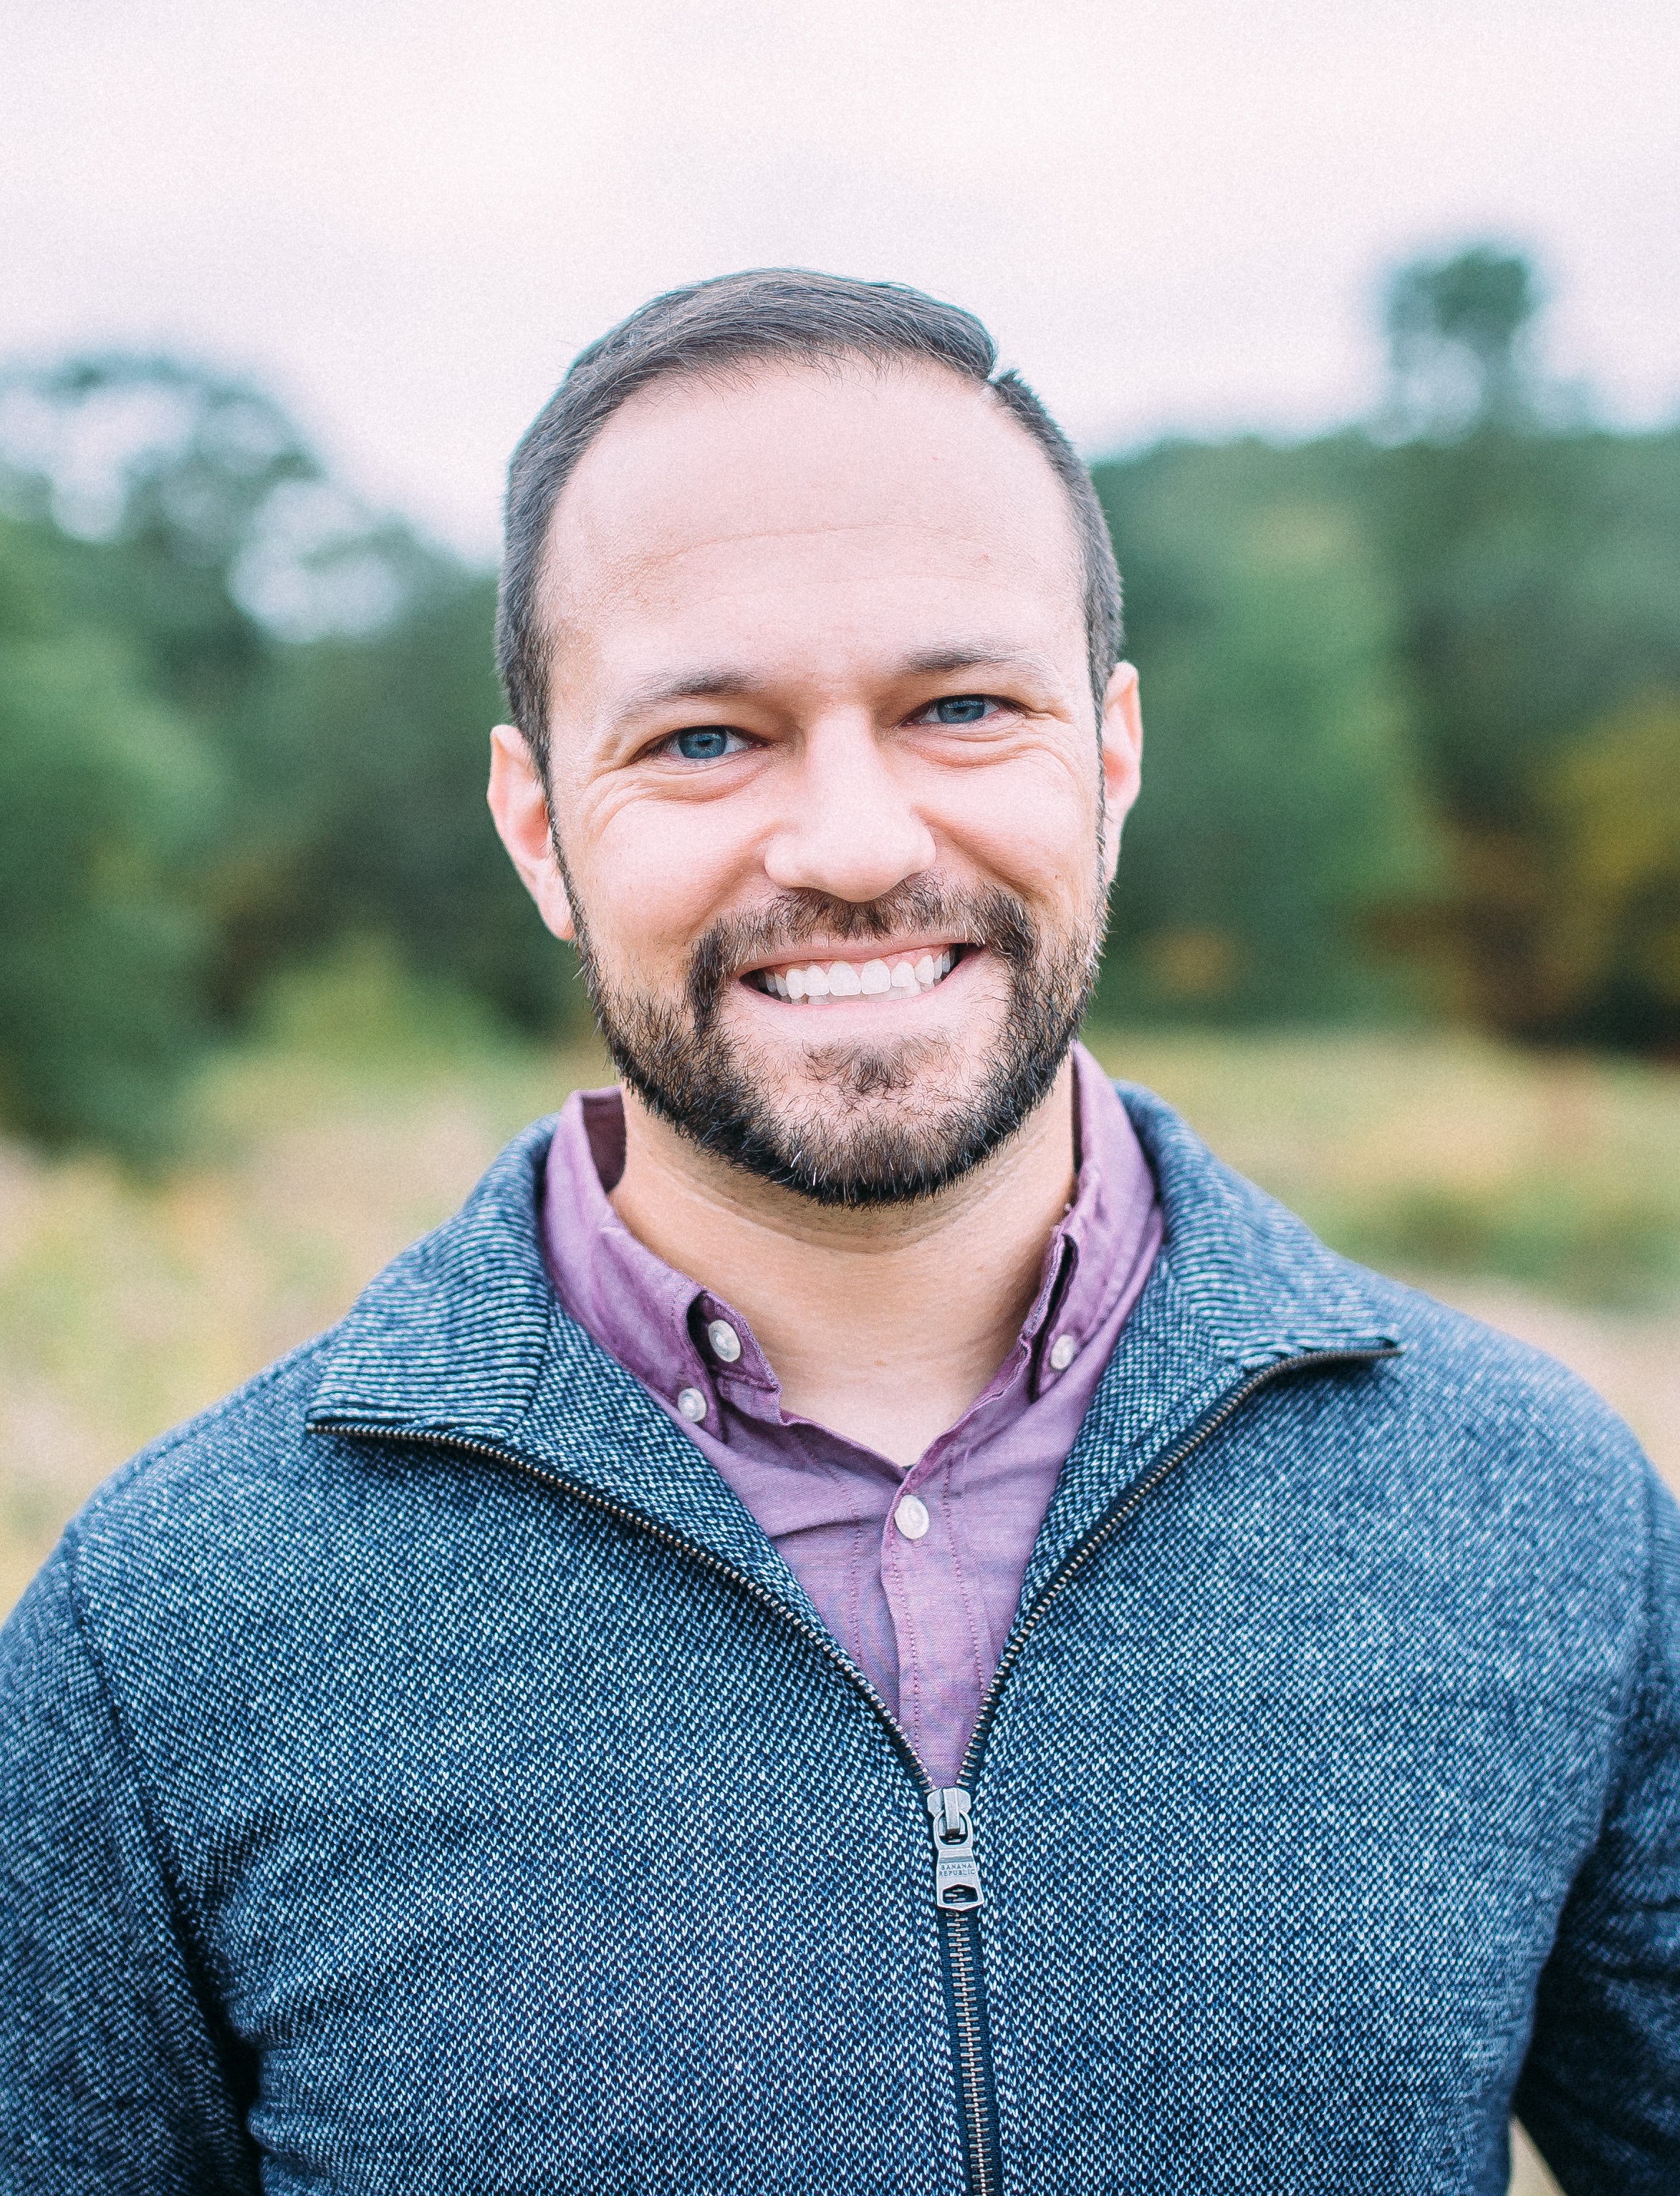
pixel 779 315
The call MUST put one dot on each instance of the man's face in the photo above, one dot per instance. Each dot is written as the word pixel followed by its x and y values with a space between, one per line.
pixel 825 775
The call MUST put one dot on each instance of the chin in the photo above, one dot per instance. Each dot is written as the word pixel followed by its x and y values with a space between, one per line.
pixel 890 1075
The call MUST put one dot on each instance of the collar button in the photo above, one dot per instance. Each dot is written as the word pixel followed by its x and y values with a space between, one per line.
pixel 911 1518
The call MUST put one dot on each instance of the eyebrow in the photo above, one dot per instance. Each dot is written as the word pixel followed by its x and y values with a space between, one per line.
pixel 690 686
pixel 712 684
pixel 935 662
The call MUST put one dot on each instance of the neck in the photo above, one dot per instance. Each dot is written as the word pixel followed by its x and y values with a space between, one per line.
pixel 883 1324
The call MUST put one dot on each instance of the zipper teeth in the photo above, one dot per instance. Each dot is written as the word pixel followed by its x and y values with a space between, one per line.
pixel 642 1522
pixel 966 1993
pixel 965 1990
pixel 1105 1527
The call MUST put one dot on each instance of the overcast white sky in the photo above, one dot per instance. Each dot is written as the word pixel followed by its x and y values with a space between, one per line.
pixel 405 216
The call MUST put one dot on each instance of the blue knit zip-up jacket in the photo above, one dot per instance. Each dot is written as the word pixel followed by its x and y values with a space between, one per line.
pixel 420 1774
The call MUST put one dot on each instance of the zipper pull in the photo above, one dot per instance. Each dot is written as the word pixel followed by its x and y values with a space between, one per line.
pixel 956 1873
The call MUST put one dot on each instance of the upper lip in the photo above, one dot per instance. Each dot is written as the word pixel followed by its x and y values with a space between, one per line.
pixel 858 949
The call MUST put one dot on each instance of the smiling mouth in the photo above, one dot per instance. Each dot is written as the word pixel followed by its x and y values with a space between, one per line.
pixel 893 976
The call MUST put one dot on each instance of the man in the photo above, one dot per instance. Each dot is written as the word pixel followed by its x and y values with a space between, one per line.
pixel 866 1617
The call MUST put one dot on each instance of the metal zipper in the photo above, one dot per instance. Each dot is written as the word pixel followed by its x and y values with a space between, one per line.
pixel 956 1875
pixel 962 1930
pixel 978 2095
pixel 958 1894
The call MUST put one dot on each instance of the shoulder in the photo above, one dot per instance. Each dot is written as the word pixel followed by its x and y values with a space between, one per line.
pixel 157 1577
pixel 1525 1438
pixel 1482 1376
pixel 245 1430
pixel 463 1310
pixel 1511 1505
pixel 217 1484
pixel 1466 1418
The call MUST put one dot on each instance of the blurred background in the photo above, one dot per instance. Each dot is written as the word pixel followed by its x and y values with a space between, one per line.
pixel 1366 316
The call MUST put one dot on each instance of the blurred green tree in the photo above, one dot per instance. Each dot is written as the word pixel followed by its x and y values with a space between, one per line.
pixel 338 667
pixel 1283 821
pixel 106 796
pixel 1361 759
pixel 1610 944
pixel 182 469
pixel 1457 331
pixel 363 812
pixel 1534 566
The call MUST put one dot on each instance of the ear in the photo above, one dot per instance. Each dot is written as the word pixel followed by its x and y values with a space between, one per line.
pixel 519 803
pixel 1122 758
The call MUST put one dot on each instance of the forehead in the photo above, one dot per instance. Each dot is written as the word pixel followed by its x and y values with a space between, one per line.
pixel 811 486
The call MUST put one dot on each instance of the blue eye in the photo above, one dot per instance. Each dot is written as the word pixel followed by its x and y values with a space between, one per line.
pixel 706 742
pixel 959 709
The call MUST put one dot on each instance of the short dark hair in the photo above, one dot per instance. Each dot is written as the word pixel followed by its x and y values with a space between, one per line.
pixel 771 315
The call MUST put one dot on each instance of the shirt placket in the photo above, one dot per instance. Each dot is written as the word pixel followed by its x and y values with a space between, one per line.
pixel 937 1618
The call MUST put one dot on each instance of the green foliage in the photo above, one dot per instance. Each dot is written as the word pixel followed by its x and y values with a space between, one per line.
pixel 104 795
pixel 362 772
pixel 1610 948
pixel 1414 749
pixel 1283 816
pixel 182 473
pixel 1537 585
pixel 227 631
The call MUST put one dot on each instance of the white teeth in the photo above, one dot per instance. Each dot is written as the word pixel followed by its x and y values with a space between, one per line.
pixel 816 985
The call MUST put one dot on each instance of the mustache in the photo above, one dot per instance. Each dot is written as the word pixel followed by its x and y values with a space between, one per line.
pixel 990 916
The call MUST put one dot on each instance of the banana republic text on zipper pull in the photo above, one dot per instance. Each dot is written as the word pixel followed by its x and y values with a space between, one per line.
pixel 956 1873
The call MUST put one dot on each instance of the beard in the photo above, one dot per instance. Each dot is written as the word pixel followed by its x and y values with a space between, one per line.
pixel 879 1123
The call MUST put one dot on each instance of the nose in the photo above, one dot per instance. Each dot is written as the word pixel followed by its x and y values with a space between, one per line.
pixel 850 828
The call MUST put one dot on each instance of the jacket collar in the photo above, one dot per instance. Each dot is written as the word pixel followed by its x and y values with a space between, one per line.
pixel 463 1339
pixel 1240 1286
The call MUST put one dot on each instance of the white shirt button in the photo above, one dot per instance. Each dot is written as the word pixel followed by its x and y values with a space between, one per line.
pixel 1063 1351
pixel 911 1518
pixel 692 1405
pixel 724 1341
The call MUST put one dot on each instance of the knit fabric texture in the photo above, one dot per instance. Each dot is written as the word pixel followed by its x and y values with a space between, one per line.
pixel 420 1774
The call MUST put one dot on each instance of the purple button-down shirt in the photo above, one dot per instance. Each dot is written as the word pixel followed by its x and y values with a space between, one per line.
pixel 923 1612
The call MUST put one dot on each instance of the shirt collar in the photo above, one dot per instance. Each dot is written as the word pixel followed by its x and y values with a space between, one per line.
pixel 462 1336
pixel 655 1319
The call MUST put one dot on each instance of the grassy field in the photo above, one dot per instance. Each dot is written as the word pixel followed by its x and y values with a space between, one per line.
pixel 1542 1195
